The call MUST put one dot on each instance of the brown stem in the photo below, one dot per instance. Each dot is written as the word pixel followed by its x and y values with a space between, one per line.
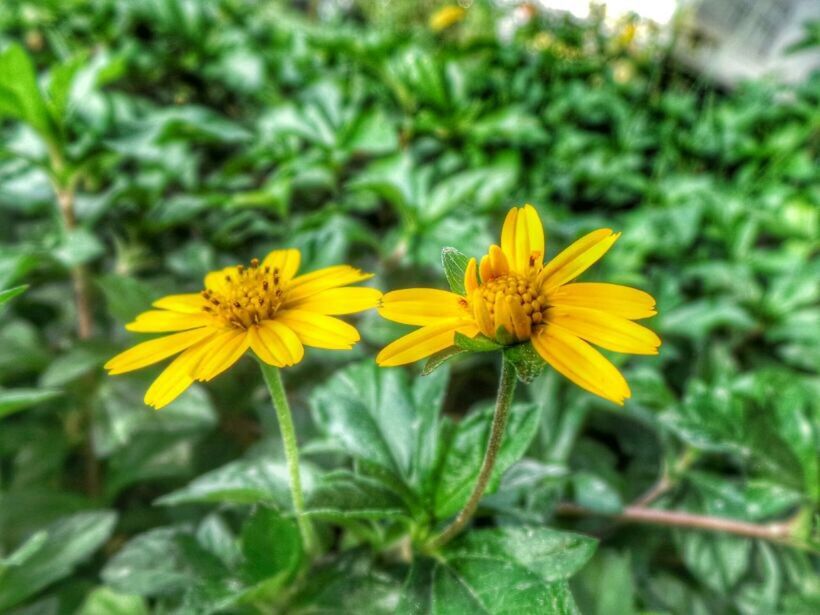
pixel 79 274
pixel 775 532
pixel 82 302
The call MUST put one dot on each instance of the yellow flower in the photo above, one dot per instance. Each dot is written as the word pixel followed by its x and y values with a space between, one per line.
pixel 446 17
pixel 264 307
pixel 518 298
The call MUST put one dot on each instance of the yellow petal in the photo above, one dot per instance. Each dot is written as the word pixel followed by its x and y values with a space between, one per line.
pixel 522 325
pixel 498 262
pixel 153 351
pixel 162 321
pixel 577 258
pixel 503 318
pixel 221 352
pixel 622 301
pixel 422 306
pixel 286 261
pixel 175 378
pixel 337 301
pixel 424 342
pixel 485 269
pixel 317 281
pixel 276 344
pixel 522 239
pixel 190 303
pixel 470 277
pixel 318 330
pixel 482 315
pixel 581 363
pixel 605 330
pixel 220 280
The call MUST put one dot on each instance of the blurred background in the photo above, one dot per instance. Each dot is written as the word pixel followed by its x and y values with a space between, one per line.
pixel 146 142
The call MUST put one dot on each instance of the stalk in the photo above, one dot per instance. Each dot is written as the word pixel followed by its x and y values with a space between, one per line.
pixel 273 379
pixel 506 389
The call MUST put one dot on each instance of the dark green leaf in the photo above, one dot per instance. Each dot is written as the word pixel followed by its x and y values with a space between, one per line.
pixel 465 451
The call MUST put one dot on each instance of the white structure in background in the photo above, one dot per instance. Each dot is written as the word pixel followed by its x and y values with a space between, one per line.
pixel 732 40
pixel 727 40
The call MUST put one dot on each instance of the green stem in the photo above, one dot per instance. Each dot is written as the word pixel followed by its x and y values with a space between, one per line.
pixel 273 379
pixel 506 389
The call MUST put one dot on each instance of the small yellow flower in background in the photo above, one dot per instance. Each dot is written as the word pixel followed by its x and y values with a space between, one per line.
pixel 512 297
pixel 446 17
pixel 264 307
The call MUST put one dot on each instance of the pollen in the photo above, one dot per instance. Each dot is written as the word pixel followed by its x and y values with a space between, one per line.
pixel 246 296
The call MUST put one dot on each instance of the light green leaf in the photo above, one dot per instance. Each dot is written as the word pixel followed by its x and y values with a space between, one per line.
pixel 70 541
pixel 106 601
pixel 455 264
pixel 20 96
pixel 11 293
pixel 14 400
pixel 254 481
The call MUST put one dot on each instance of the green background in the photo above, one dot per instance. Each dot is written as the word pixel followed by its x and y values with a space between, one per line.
pixel 190 135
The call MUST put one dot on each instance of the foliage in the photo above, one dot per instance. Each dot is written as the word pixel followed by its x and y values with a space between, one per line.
pixel 145 143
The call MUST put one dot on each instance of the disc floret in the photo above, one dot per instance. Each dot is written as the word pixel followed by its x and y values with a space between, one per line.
pixel 245 296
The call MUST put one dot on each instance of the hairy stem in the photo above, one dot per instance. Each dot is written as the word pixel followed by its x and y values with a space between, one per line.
pixel 273 379
pixel 774 532
pixel 506 389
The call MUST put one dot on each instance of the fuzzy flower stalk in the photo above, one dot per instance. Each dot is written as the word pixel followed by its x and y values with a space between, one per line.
pixel 265 308
pixel 511 297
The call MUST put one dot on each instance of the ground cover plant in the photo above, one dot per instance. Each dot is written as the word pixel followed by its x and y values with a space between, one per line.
pixel 146 144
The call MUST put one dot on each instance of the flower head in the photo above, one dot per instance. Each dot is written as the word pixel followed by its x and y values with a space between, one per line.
pixel 265 307
pixel 512 297
pixel 446 17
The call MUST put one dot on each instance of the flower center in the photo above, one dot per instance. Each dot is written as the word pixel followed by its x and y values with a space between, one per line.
pixel 518 289
pixel 245 297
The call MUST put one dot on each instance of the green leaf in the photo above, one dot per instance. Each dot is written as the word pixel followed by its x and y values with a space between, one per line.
pixel 105 601
pixel 11 293
pixel 70 541
pixel 593 492
pixel 605 585
pixel 14 400
pixel 455 264
pixel 499 571
pixel 379 418
pixel 343 495
pixel 551 554
pixel 150 564
pixel 20 96
pixel 348 583
pixel 479 343
pixel 461 460
pixel 254 481
pixel 272 548
pixel 440 358
pixel 527 362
